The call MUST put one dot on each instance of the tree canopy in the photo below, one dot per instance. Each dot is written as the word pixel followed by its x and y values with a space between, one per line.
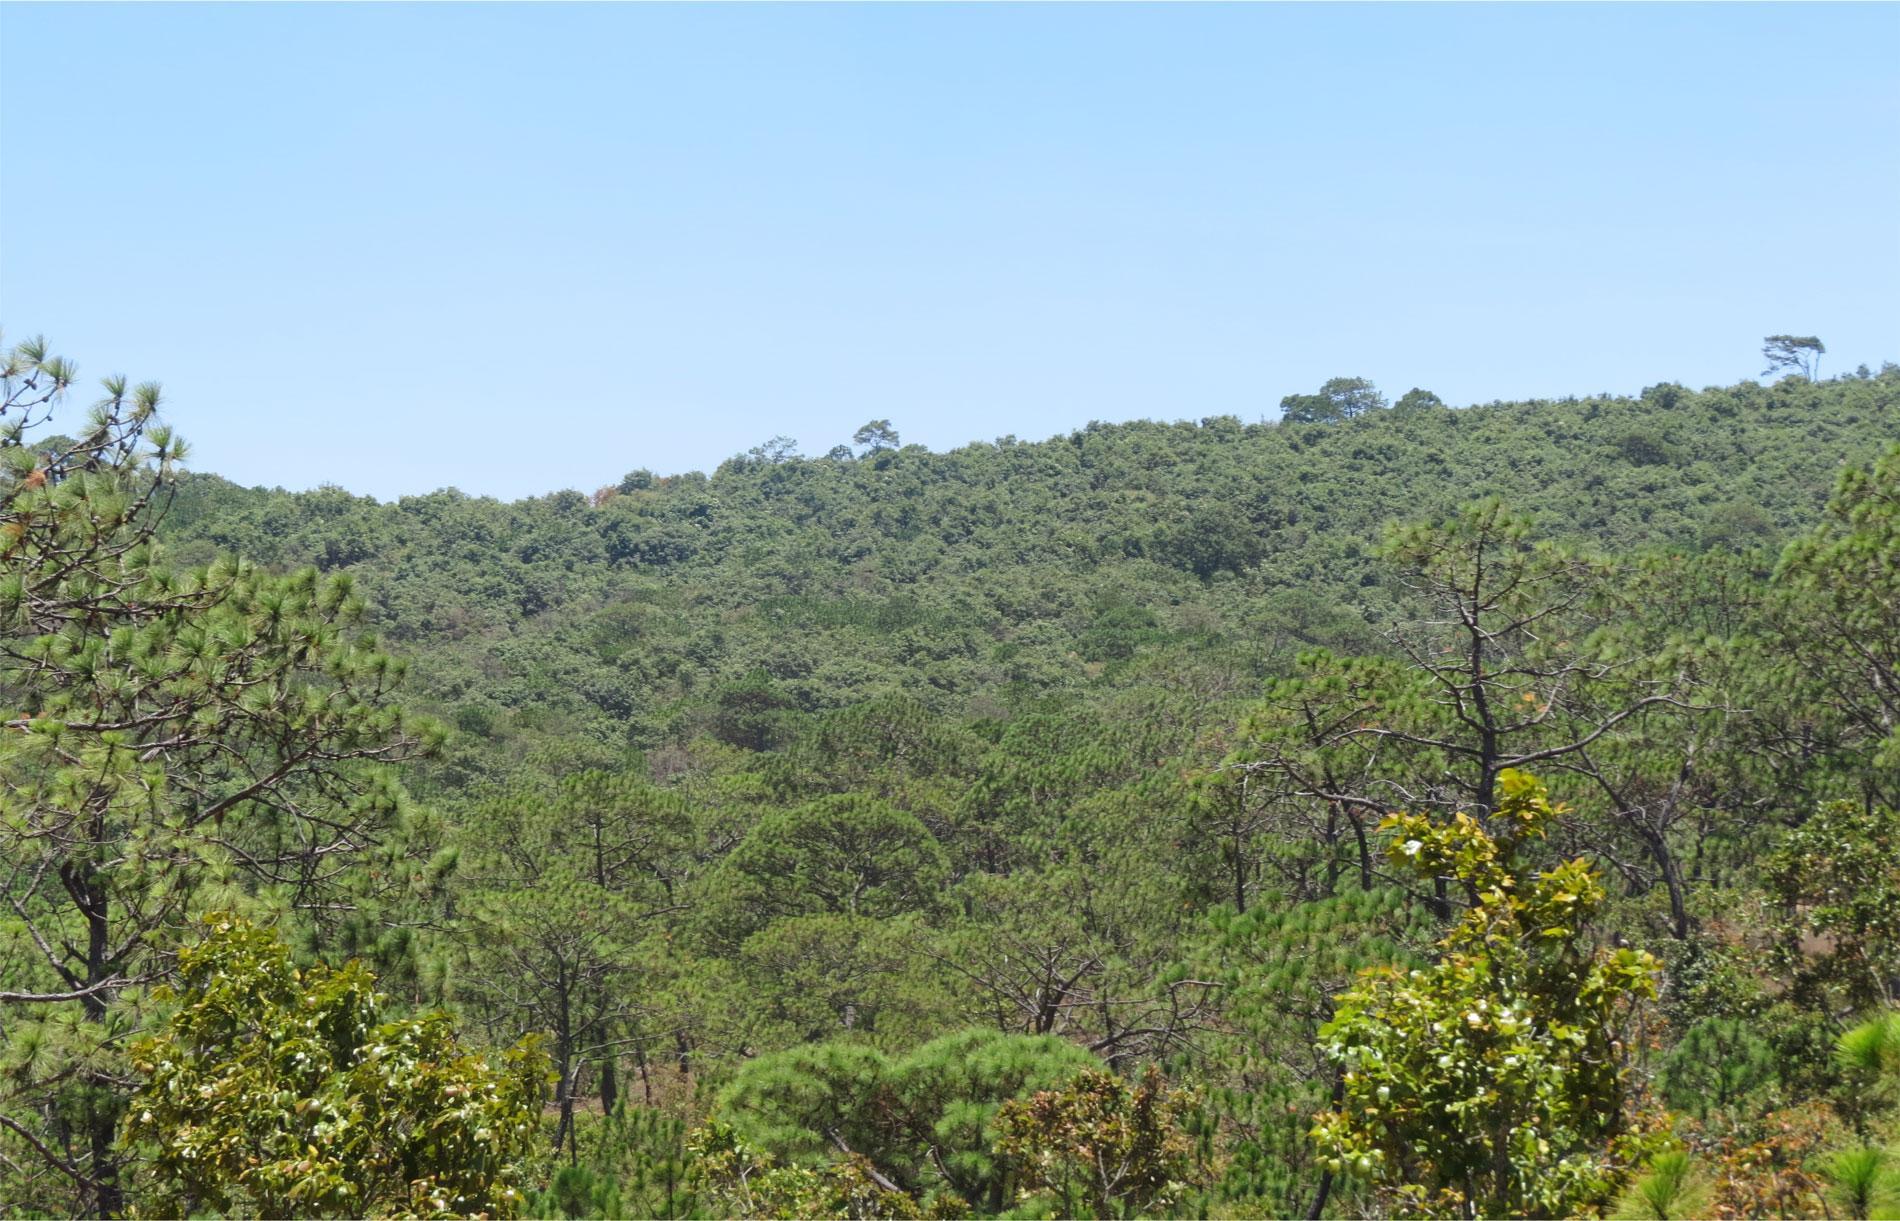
pixel 1136 822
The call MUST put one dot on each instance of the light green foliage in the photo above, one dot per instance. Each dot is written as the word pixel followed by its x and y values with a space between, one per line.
pixel 1863 1183
pixel 1491 1083
pixel 1312 761
pixel 278 1092
pixel 559 958
pixel 969 575
pixel 807 978
pixel 734 1179
pixel 1872 1048
pixel 1518 651
pixel 1100 1148
pixel 1519 657
pixel 854 751
pixel 950 1091
pixel 1868 1058
pixel 1416 399
pixel 1668 1190
pixel 1073 949
pixel 800 1102
pixel 569 871
pixel 896 748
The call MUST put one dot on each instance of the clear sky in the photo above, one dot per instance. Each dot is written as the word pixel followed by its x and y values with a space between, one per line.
pixel 513 249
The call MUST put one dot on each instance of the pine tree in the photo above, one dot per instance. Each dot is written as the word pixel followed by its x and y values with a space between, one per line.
pixel 1834 643
pixel 567 879
pixel 923 1123
pixel 169 736
pixel 1280 969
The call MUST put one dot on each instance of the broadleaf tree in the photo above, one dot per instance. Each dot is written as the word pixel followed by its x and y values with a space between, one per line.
pixel 279 1092
pixel 1494 1082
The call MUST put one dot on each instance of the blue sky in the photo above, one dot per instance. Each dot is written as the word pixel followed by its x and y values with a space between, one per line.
pixel 513 249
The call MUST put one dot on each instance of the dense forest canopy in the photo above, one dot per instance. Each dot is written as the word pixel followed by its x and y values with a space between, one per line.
pixel 975 579
pixel 1395 809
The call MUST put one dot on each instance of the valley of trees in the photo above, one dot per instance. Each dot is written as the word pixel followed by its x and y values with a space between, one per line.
pixel 1392 810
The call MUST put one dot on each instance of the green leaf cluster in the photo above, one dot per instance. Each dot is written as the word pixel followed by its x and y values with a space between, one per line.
pixel 1492 1082
pixel 274 1091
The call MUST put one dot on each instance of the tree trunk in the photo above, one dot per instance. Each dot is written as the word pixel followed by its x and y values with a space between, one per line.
pixel 564 1095
pixel 1240 878
pixel 1325 1191
pixel 1672 879
pixel 564 1065
pixel 609 1085
pixel 1332 848
pixel 1365 851
pixel 102 1105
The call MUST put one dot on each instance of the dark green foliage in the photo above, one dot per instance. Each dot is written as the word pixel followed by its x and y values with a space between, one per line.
pixel 577 1191
pixel 1280 968
pixel 1418 400
pixel 1342 398
pixel 924 1120
pixel 1003 550
pixel 174 738
pixel 1839 616
pixel 1215 538
pixel 1119 631
pixel 1720 1065
pixel 1736 525
pixel 1792 354
pixel 634 541
pixel 747 712
pixel 1645 447
pixel 847 855
pixel 876 436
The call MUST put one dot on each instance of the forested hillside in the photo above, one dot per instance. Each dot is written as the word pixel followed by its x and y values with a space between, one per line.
pixel 1410 811
pixel 655 609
